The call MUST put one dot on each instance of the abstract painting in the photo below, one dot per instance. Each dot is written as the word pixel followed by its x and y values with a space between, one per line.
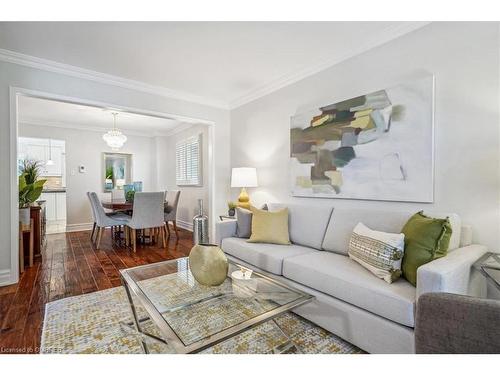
pixel 376 146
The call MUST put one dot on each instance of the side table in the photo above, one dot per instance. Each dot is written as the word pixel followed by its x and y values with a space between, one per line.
pixel 489 266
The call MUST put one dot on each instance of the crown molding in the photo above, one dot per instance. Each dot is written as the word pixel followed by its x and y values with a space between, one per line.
pixel 97 129
pixel 177 129
pixel 74 71
pixel 390 33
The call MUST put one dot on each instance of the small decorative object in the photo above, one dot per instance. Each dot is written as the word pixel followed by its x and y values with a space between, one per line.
pixel 243 178
pixel 208 264
pixel 115 138
pixel 242 274
pixel 30 188
pixel 243 283
pixel 129 197
pixel 137 186
pixel 127 189
pixel 376 146
pixel 231 208
pixel 200 225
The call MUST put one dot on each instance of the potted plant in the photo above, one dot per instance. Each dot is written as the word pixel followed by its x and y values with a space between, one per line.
pixel 30 188
pixel 231 208
pixel 129 195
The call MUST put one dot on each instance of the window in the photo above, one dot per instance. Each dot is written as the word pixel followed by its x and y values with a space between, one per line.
pixel 188 161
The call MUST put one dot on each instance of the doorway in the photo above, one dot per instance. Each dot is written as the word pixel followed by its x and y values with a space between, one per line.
pixel 84 167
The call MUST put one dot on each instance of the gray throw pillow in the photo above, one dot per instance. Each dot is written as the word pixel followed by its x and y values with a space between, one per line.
pixel 243 222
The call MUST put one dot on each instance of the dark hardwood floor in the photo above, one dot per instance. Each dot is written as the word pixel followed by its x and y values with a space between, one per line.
pixel 70 266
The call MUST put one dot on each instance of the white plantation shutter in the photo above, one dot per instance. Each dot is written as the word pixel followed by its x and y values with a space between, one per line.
pixel 188 161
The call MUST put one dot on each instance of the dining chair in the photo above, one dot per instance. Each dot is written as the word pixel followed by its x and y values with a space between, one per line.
pixel 170 214
pixel 104 221
pixel 93 215
pixel 147 214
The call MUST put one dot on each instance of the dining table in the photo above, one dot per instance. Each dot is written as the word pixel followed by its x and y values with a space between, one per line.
pixel 121 204
pixel 117 204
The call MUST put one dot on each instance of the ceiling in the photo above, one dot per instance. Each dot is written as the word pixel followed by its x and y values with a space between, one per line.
pixel 229 63
pixel 44 112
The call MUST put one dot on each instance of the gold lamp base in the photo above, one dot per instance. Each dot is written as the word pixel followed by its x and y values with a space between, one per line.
pixel 244 199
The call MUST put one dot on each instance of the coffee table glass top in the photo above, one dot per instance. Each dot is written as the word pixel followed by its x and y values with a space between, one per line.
pixel 191 316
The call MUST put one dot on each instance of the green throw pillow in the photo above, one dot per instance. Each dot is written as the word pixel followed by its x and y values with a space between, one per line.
pixel 426 239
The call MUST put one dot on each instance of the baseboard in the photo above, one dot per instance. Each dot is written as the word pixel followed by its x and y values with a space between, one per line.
pixel 185 225
pixel 79 227
pixel 5 278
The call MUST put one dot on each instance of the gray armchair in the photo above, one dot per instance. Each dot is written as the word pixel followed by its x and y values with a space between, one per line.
pixel 451 323
pixel 172 199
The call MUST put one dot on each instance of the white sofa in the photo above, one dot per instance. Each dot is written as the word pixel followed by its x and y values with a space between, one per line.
pixel 350 301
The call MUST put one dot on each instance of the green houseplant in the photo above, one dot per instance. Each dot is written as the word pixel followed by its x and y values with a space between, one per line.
pixel 231 208
pixel 30 188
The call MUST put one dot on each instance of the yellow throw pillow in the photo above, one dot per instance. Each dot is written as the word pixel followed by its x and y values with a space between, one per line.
pixel 270 227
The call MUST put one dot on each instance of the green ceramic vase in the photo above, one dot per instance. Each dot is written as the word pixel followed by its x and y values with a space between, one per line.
pixel 208 264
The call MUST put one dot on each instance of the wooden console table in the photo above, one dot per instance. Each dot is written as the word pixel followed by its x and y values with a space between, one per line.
pixel 22 230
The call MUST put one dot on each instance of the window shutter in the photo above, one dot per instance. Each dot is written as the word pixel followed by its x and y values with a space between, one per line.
pixel 188 161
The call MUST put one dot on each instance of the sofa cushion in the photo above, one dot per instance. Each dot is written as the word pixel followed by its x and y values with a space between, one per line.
pixel 343 222
pixel 307 224
pixel 268 257
pixel 343 278
pixel 243 222
pixel 270 227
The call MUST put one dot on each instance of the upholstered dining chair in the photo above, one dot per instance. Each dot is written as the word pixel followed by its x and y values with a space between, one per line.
pixel 172 198
pixel 147 214
pixel 104 220
pixel 93 216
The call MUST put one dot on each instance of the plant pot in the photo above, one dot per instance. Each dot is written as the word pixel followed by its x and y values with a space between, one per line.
pixel 24 216
pixel 231 212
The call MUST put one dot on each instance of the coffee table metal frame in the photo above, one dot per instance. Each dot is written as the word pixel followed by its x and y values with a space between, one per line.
pixel 170 337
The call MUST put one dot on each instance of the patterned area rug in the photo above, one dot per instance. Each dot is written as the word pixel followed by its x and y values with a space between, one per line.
pixel 91 323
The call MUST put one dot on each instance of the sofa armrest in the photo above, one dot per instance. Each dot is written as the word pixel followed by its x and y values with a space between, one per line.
pixel 452 273
pixel 224 229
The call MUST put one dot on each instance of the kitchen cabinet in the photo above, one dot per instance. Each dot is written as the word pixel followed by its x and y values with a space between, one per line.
pixel 60 206
pixel 41 149
pixel 55 205
pixel 50 204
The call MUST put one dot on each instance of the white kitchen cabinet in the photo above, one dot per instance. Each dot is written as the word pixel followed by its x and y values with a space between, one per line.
pixel 60 206
pixel 55 206
pixel 39 149
pixel 50 199
pixel 56 168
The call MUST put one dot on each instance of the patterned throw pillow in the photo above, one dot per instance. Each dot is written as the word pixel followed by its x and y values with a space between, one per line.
pixel 379 252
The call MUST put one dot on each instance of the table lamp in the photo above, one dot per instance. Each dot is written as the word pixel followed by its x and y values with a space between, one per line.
pixel 243 178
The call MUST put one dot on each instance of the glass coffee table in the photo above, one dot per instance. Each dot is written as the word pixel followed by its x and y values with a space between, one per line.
pixel 188 317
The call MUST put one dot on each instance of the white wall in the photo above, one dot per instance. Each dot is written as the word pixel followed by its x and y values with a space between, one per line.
pixel 188 202
pixel 85 147
pixel 14 75
pixel 464 57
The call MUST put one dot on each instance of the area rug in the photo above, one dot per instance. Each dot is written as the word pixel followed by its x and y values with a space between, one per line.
pixel 90 324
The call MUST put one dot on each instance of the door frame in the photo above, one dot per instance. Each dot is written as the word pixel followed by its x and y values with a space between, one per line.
pixel 16 92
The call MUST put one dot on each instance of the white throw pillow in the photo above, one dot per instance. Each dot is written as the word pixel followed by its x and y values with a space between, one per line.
pixel 379 252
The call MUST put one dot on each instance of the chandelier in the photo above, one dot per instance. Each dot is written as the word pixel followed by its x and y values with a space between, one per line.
pixel 114 138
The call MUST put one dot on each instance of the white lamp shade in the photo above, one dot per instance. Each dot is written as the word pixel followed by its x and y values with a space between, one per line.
pixel 244 177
